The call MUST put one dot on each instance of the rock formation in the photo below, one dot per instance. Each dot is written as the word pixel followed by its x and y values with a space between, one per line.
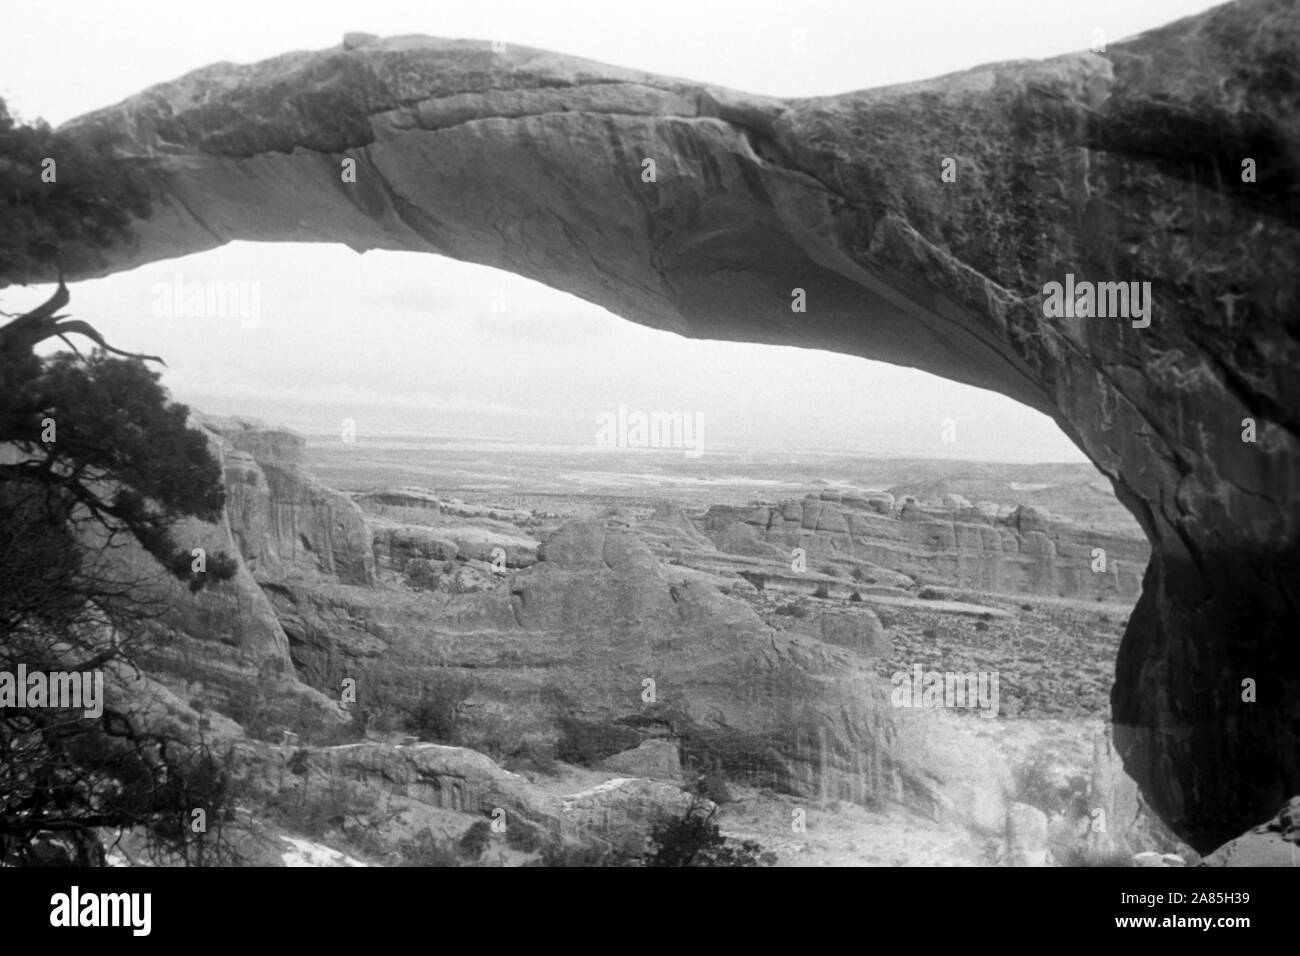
pixel 283 520
pixel 1169 159
pixel 227 639
pixel 1026 553
pixel 616 814
pixel 1274 843
pixel 554 650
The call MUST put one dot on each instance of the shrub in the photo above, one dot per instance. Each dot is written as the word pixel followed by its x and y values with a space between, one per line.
pixel 981 625
pixel 792 610
pixel 860 575
pixel 89 208
pixel 475 840
pixel 426 850
pixel 1036 787
pixel 694 840
pixel 855 597
pixel 422 575
pixel 929 594
pixel 435 718
pixel 523 838
pixel 753 577
pixel 314 813
pixel 821 591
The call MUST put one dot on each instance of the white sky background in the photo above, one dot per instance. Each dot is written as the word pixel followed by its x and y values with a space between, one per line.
pixel 411 343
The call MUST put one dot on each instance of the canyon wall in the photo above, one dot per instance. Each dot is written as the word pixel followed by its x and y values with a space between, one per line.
pixel 554 650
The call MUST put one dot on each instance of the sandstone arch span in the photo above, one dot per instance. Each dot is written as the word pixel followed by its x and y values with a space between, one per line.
pixel 1118 167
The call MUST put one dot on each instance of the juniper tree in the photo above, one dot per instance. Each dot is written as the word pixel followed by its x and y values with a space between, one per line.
pixel 94 458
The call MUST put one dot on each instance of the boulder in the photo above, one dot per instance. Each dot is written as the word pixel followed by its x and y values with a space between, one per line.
pixel 860 630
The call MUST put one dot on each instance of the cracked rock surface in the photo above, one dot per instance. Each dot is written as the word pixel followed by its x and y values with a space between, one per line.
pixel 1122 167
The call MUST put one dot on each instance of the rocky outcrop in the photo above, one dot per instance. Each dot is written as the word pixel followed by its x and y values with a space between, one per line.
pixel 555 648
pixel 233 645
pixel 1028 552
pixel 299 540
pixel 600 652
pixel 1275 843
pixel 411 524
pixel 1169 159
pixel 284 521
pixel 396 547
pixel 860 630
pixel 226 639
pixel 616 814
pixel 652 759
pixel 595 649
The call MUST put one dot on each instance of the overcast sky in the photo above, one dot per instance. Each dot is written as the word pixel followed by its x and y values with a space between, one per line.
pixel 415 343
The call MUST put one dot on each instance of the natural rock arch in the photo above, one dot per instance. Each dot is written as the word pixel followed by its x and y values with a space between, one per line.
pixel 1126 166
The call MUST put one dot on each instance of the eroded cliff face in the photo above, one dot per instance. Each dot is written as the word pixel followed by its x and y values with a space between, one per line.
pixel 964 546
pixel 556 650
pixel 227 638
pixel 1122 167
pixel 285 522
pixel 551 654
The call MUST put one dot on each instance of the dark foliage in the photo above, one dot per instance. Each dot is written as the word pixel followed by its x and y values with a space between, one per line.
pixel 694 840
pixel 89 205
pixel 96 457
pixel 475 840
pixel 435 716
pixel 427 850
pixel 121 455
